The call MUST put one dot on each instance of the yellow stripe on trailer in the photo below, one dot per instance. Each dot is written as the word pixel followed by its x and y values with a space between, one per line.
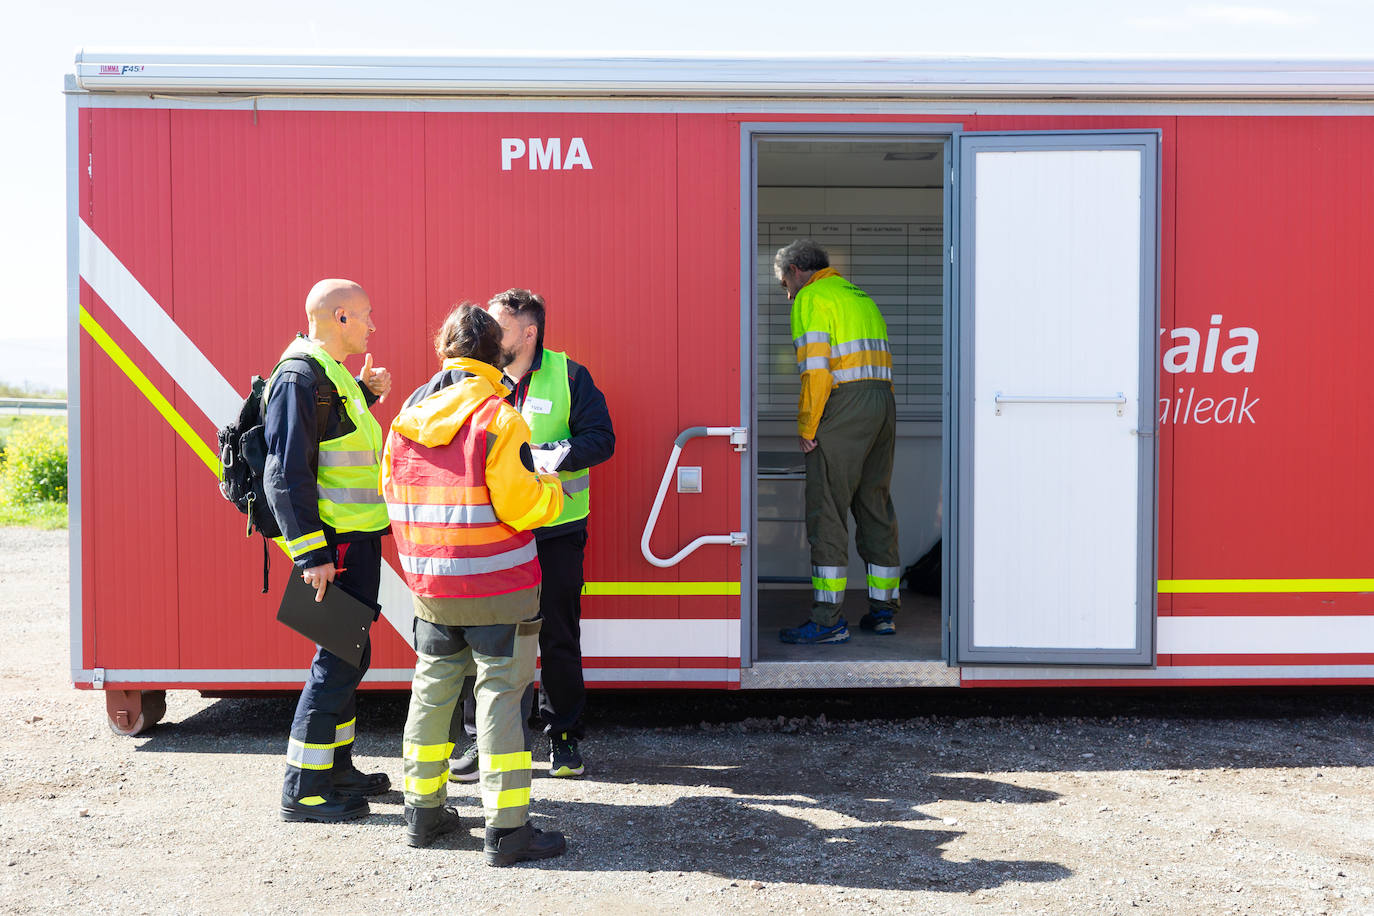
pixel 155 397
pixel 1261 586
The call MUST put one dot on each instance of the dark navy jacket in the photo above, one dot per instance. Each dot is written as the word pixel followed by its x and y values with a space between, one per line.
pixel 291 426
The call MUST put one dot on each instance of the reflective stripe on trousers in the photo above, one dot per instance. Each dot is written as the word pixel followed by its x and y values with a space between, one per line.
pixel 426 767
pixel 828 583
pixel 883 582
pixel 319 756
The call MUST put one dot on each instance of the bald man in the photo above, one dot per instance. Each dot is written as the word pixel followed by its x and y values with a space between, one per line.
pixel 321 480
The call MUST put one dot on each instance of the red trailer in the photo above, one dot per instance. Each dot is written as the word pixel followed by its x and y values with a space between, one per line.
pixel 1122 298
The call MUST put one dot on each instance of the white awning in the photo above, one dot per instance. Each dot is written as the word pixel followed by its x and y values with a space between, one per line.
pixel 697 76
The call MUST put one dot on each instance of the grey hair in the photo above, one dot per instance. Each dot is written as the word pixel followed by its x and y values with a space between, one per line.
pixel 803 254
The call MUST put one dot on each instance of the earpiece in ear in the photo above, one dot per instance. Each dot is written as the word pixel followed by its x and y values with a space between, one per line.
pixel 343 319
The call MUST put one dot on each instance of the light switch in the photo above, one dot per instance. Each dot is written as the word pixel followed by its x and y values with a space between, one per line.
pixel 689 480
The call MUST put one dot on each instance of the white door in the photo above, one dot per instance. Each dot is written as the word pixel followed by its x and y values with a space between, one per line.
pixel 1054 466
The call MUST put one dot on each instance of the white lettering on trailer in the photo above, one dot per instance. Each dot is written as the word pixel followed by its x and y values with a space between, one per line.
pixel 1189 406
pixel 1183 409
pixel 1183 356
pixel 512 148
pixel 544 153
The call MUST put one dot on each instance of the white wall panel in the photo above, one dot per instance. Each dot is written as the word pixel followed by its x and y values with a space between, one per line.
pixel 660 638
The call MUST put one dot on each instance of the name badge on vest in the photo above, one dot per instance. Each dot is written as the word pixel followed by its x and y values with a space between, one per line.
pixel 538 405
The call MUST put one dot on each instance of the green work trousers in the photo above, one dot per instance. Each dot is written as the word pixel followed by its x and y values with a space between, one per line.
pixel 501 658
pixel 850 471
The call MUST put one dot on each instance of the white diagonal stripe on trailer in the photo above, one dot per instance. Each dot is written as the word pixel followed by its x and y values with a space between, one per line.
pixel 196 375
pixel 156 331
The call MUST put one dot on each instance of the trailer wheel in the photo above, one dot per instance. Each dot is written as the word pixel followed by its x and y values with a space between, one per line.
pixel 132 712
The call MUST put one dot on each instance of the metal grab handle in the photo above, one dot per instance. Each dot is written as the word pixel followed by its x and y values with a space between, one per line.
pixel 738 437
pixel 999 399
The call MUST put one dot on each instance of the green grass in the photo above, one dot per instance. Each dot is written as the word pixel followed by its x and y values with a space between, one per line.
pixel 48 516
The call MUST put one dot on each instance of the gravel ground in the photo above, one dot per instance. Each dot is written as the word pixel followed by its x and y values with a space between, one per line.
pixel 922 801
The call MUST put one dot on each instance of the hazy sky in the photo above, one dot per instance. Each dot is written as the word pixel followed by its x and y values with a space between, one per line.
pixel 42 39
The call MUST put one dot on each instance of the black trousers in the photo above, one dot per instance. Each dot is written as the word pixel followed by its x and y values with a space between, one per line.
pixel 328 706
pixel 562 690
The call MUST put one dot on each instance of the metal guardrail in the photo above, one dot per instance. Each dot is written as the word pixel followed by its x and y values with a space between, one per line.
pixel 32 405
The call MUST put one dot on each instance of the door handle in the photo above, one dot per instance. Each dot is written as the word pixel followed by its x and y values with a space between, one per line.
pixel 739 437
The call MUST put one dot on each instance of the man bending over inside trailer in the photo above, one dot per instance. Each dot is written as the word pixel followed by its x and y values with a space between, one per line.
pixel 321 480
pixel 847 418
pixel 460 481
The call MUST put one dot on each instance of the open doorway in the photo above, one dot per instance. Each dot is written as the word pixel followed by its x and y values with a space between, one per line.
pixel 877 205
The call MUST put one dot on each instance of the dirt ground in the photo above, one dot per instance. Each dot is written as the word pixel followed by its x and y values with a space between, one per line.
pixel 933 802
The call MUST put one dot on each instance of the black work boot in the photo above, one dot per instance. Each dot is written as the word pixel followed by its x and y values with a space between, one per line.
pixel 354 782
pixel 425 825
pixel 323 810
pixel 507 846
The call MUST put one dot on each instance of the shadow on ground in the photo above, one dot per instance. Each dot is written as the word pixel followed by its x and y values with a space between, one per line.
pixel 759 773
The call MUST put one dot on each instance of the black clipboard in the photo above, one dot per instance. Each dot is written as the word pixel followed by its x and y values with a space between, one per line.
pixel 339 623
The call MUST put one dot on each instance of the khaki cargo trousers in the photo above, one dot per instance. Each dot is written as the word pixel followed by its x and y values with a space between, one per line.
pixel 850 471
pixel 501 658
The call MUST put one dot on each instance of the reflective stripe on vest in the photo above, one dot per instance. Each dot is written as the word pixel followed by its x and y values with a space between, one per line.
pixel 549 383
pixel 450 541
pixel 837 327
pixel 468 566
pixel 349 465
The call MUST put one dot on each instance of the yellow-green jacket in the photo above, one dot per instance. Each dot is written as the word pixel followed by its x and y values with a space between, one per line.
pixel 840 337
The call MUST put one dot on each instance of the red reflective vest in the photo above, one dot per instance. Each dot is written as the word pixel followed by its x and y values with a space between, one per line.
pixel 450 540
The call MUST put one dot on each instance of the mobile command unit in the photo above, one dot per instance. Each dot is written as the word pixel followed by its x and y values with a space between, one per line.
pixel 1125 299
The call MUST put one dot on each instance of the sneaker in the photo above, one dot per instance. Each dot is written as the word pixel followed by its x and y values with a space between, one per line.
pixel 813 634
pixel 564 760
pixel 464 768
pixel 425 825
pixel 523 844
pixel 879 620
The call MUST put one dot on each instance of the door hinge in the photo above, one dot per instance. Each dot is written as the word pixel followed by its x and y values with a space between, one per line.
pixel 98 678
pixel 951 254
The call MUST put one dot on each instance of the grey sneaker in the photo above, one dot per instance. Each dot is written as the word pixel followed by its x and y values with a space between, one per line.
pixel 464 768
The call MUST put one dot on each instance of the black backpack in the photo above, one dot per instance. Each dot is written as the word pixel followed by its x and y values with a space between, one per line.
pixel 243 456
pixel 923 576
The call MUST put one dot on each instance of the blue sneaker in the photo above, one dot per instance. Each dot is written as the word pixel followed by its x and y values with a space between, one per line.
pixel 813 634
pixel 879 620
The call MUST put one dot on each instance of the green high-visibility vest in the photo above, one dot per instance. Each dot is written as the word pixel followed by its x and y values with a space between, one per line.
pixel 350 465
pixel 547 404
